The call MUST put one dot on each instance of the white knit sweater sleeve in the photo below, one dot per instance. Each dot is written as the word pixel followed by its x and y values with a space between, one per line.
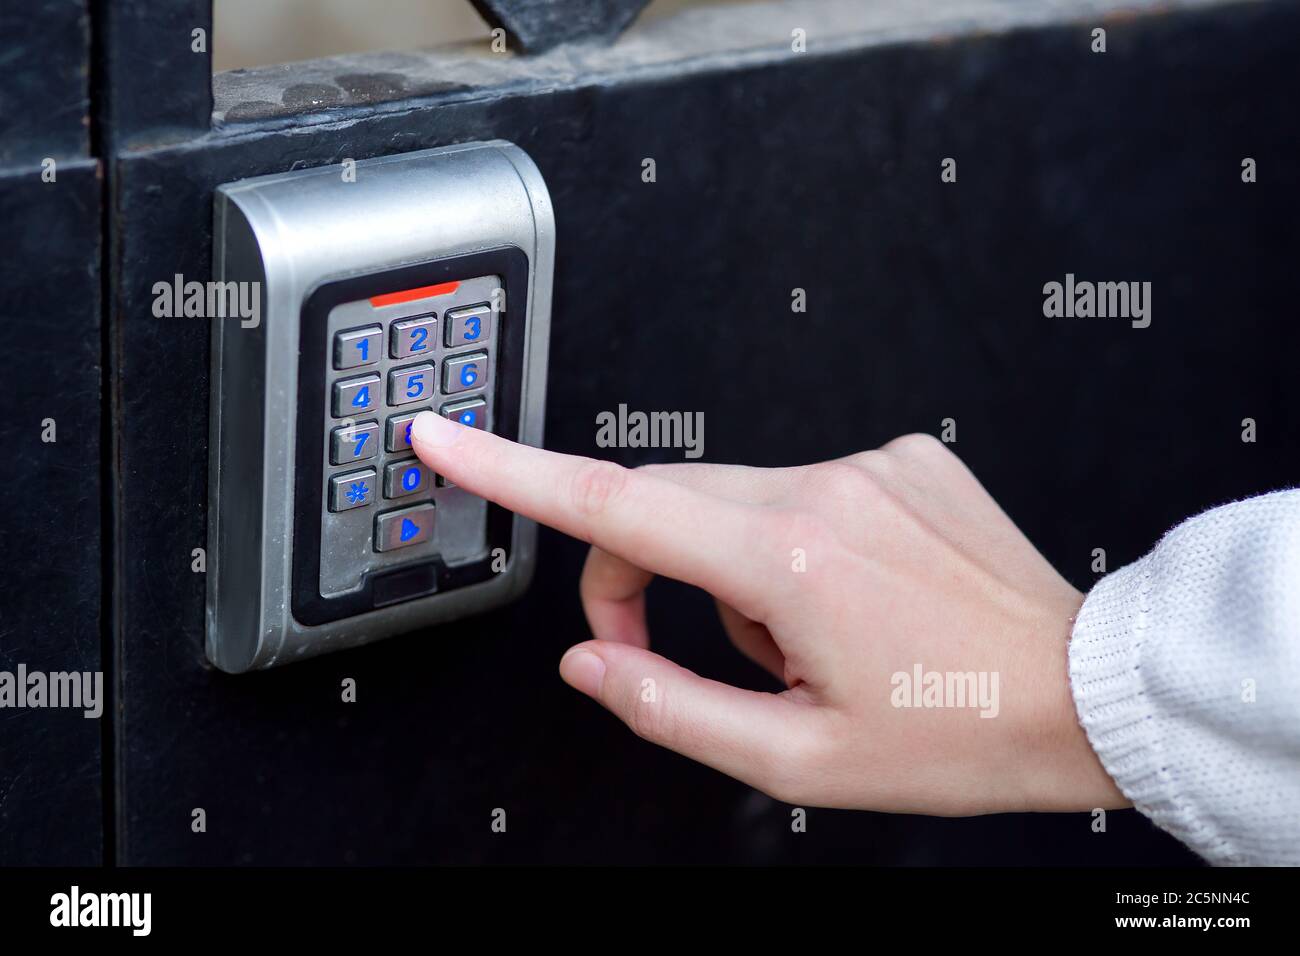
pixel 1185 670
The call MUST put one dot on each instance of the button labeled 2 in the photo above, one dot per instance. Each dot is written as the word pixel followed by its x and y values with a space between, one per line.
pixel 463 372
pixel 402 529
pixel 412 337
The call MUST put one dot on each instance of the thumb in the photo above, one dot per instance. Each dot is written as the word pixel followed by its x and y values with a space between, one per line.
pixel 762 739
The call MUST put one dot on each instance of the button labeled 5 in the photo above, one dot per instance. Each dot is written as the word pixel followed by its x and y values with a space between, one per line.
pixel 411 384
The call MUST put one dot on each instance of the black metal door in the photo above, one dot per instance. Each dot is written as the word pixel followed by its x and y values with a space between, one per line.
pixel 776 169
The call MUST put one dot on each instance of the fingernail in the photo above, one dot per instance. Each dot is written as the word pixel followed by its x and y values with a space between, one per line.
pixel 583 670
pixel 434 430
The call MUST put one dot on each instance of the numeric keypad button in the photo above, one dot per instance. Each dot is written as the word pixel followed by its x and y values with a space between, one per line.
pixel 357 347
pixel 356 396
pixel 356 489
pixel 460 373
pixel 468 326
pixel 412 337
pixel 401 529
pixel 411 384
pixel 354 443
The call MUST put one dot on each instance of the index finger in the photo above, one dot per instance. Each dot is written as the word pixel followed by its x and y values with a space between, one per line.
pixel 658 524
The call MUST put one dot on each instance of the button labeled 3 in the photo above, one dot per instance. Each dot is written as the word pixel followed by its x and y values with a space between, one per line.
pixel 468 326
pixel 402 529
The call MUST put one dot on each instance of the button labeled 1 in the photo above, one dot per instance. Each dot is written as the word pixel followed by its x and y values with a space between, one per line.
pixel 357 347
pixel 402 529
pixel 463 372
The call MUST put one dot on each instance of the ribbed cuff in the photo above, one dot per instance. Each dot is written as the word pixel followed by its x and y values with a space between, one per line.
pixel 1114 709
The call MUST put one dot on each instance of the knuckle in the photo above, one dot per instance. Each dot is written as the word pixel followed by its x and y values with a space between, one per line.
pixel 794 775
pixel 649 718
pixel 916 445
pixel 842 481
pixel 595 485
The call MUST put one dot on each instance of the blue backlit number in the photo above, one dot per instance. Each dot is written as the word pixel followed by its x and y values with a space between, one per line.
pixel 415 385
pixel 473 326
pixel 411 479
pixel 417 338
pixel 361 443
pixel 469 374
pixel 362 398
pixel 408 431
pixel 364 346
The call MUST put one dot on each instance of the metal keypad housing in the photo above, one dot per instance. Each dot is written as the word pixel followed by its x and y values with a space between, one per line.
pixel 421 283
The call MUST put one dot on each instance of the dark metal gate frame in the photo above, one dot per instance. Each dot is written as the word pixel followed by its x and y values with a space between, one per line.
pixel 776 170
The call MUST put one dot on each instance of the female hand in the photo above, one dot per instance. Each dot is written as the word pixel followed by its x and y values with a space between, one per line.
pixel 845 580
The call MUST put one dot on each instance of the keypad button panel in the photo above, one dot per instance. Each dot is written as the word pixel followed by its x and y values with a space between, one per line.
pixel 385 364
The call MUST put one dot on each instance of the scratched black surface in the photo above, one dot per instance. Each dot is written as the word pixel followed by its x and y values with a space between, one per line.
pixel 924 303
pixel 50 587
